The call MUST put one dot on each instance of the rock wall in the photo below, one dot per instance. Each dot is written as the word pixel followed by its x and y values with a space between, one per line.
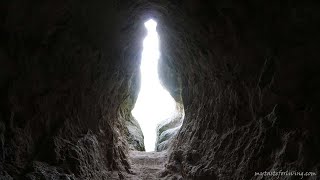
pixel 250 87
pixel 168 129
pixel 68 71
pixel 246 73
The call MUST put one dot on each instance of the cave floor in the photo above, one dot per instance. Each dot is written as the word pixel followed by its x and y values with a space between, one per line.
pixel 147 165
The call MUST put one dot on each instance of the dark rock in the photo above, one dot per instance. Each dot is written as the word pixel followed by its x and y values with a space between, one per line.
pixel 135 135
pixel 245 72
pixel 45 171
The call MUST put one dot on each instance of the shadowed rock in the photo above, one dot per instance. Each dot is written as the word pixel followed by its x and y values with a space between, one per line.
pixel 246 72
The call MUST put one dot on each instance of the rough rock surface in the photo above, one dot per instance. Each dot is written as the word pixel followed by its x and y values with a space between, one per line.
pixel 168 129
pixel 135 135
pixel 246 72
pixel 64 82
pixel 147 165
pixel 250 87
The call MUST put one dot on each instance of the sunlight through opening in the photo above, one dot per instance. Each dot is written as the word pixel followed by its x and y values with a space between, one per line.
pixel 154 103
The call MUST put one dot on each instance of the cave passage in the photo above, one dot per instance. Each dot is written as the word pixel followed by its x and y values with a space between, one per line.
pixel 154 103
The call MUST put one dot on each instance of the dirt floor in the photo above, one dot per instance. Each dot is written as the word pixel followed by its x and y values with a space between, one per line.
pixel 147 165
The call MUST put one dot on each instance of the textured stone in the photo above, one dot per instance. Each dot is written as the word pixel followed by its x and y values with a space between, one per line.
pixel 246 73
pixel 135 135
pixel 44 171
pixel 246 87
pixel 168 128
pixel 66 69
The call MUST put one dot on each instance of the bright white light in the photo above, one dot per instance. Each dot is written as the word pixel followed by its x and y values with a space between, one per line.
pixel 154 103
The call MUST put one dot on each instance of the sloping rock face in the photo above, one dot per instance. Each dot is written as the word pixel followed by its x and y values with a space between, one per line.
pixel 134 135
pixel 250 87
pixel 169 128
pixel 133 130
pixel 67 69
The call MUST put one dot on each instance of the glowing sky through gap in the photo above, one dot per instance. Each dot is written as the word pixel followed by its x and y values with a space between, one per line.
pixel 154 103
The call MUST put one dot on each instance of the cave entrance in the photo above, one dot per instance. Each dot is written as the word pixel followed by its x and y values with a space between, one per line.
pixel 154 103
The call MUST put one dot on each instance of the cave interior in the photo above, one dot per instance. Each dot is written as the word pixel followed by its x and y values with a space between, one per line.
pixel 244 76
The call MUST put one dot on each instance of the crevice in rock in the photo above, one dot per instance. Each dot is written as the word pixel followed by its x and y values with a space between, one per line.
pixel 245 73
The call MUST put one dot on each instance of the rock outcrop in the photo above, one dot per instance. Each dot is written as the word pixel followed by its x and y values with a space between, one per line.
pixel 67 68
pixel 250 87
pixel 169 128
pixel 135 136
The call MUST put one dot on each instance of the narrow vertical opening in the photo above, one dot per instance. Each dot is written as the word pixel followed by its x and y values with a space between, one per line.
pixel 154 103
